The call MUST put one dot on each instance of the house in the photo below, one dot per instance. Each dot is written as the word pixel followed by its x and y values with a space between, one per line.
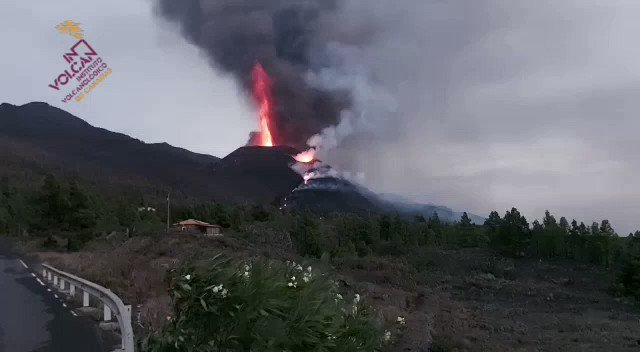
pixel 197 226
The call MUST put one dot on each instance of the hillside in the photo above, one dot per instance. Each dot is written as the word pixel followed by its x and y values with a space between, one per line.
pixel 37 138
pixel 255 174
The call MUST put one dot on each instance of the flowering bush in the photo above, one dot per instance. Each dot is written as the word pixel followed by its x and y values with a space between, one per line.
pixel 264 306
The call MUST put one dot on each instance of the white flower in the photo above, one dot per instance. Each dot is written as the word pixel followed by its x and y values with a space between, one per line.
pixel 217 289
pixel 387 336
pixel 187 277
pixel 400 320
pixel 356 299
pixel 247 267
pixel 339 296
pixel 299 267
pixel 224 293
pixel 168 317
pixel 306 276
pixel 309 269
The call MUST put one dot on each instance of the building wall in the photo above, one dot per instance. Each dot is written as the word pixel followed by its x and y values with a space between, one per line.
pixel 213 231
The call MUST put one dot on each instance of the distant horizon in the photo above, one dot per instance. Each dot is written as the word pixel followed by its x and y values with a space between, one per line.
pixel 527 104
pixel 405 198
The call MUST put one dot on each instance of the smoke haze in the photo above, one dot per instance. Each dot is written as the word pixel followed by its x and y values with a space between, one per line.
pixel 477 105
pixel 280 34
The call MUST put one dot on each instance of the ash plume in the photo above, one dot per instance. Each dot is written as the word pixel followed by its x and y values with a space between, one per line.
pixel 289 38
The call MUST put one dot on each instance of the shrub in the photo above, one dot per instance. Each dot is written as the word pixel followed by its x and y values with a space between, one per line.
pixel 264 306
pixel 630 277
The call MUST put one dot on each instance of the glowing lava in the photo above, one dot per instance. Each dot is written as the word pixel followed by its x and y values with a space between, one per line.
pixel 264 97
pixel 306 157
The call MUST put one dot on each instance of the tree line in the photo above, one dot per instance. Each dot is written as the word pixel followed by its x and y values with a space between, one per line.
pixel 67 216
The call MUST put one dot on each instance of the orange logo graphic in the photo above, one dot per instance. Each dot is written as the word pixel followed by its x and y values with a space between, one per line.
pixel 71 28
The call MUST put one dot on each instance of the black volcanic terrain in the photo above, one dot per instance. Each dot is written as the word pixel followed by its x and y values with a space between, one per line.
pixel 37 139
pixel 324 195
pixel 256 174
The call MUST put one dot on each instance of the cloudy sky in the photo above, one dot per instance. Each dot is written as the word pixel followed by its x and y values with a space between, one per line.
pixel 496 103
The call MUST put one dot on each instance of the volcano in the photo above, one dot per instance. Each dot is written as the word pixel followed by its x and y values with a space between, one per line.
pixel 328 194
pixel 38 139
pixel 265 175
pixel 255 174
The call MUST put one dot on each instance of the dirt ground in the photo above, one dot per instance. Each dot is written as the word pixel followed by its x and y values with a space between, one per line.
pixel 453 300
pixel 474 300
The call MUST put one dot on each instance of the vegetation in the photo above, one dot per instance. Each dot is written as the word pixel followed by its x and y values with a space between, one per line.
pixel 264 306
pixel 66 216
pixel 67 212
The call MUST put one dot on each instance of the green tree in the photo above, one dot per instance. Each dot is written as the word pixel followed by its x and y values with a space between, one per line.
pixel 259 213
pixel 537 237
pixel 469 237
pixel 436 226
pixel 465 221
pixel 385 228
pixel 583 230
pixel 492 224
pixel 575 230
pixel 54 204
pixel 564 225
pixel 606 229
pixel 398 231
pixel 306 234
pixel 514 234
pixel 549 220
pixel 80 215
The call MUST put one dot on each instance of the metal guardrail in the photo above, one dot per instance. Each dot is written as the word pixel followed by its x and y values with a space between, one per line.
pixel 111 302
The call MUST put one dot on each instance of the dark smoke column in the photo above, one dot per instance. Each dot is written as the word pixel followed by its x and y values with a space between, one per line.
pixel 280 34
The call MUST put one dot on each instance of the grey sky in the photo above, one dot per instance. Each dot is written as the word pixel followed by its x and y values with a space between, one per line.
pixel 161 88
pixel 498 103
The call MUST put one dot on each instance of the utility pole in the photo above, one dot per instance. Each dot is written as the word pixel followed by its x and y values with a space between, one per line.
pixel 168 210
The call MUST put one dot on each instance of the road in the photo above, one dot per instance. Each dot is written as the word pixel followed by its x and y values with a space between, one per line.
pixel 32 319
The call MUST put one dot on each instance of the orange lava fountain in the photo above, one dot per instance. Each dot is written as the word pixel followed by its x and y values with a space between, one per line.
pixel 264 97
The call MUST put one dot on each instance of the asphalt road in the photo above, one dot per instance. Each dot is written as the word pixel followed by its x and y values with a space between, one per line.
pixel 32 319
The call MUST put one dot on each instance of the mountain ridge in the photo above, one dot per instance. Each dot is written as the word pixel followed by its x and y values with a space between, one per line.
pixel 37 139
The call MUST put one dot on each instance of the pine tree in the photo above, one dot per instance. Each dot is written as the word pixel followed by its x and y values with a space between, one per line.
pixel 385 228
pixel 537 235
pixel 435 225
pixel 583 230
pixel 468 236
pixel 606 229
pixel 514 233
pixel 537 227
pixel 54 204
pixel 549 220
pixel 564 224
pixel 465 221
pixel 492 224
pixel 575 230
